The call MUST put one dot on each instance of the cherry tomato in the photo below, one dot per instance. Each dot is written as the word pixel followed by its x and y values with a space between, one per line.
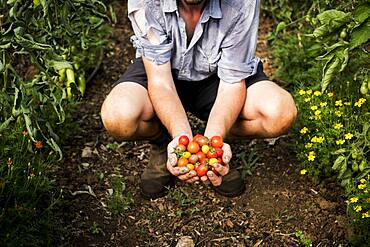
pixel 212 153
pixel 182 162
pixel 202 170
pixel 186 155
pixel 190 167
pixel 197 137
pixel 201 156
pixel 203 141
pixel 193 158
pixel 183 140
pixel 219 152
pixel 193 147
pixel 180 148
pixel 216 141
pixel 212 161
pixel 205 149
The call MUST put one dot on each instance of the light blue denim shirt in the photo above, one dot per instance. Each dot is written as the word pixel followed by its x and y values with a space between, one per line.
pixel 224 40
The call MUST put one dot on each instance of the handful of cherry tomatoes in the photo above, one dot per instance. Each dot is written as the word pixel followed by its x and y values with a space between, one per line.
pixel 200 153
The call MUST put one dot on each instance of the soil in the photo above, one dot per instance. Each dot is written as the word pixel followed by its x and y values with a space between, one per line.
pixel 278 202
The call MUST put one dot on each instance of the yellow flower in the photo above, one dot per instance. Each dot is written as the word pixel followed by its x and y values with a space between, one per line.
pixel 317 139
pixel 366 215
pixel 360 102
pixel 347 103
pixel 338 113
pixel 317 112
pixel 361 186
pixel 363 180
pixel 307 99
pixel 308 145
pixel 318 117
pixel 323 104
pixel 304 130
pixel 348 136
pixel 357 208
pixel 368 200
pixel 317 93
pixel 330 94
pixel 353 199
pixel 301 92
pixel 338 126
pixel 311 156
pixel 303 172
pixel 309 91
pixel 340 142
pixel 314 108
pixel 338 103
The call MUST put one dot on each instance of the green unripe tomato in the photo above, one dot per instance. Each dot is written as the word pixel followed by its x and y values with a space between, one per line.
pixel 343 34
pixel 355 166
pixel 364 89
pixel 362 165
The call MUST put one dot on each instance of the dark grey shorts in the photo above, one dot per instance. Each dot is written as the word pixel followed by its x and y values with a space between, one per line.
pixel 197 97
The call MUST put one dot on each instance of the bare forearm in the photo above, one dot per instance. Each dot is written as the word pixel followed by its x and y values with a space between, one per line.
pixel 226 109
pixel 169 110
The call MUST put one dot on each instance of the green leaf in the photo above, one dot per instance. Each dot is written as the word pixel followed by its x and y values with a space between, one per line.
pixel 339 163
pixel 29 127
pixel 28 43
pixel 362 12
pixel 58 65
pixel 344 55
pixel 360 35
pixel 331 49
pixel 55 147
pixel 328 72
pixel 333 17
pixel 5 124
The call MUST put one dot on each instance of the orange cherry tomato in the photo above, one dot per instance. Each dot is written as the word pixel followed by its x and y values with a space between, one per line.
pixel 182 162
pixel 193 147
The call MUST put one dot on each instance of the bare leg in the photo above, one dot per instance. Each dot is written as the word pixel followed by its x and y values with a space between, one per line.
pixel 128 114
pixel 269 111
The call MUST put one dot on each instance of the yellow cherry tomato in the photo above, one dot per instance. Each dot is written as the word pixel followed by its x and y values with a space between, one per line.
pixel 190 166
pixel 205 149
pixel 186 155
pixel 212 161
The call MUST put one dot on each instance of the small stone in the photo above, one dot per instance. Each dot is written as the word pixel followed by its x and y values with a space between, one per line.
pixel 185 241
pixel 87 152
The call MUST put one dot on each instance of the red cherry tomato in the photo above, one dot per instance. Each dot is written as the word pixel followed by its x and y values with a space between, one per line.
pixel 219 152
pixel 196 137
pixel 202 140
pixel 212 153
pixel 183 140
pixel 201 170
pixel 201 156
pixel 193 158
pixel 216 141
pixel 193 147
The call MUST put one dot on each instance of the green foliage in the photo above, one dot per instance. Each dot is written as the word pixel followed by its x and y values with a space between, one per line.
pixel 327 43
pixel 120 200
pixel 303 240
pixel 47 49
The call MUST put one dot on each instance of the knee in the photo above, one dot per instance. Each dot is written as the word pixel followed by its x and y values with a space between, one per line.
pixel 119 117
pixel 279 115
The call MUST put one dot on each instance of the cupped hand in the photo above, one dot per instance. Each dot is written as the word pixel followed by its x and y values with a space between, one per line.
pixel 182 173
pixel 222 169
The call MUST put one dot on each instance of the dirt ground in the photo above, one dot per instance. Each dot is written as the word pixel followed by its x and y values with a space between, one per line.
pixel 278 202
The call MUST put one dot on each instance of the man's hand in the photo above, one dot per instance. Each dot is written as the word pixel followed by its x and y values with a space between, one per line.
pixel 222 170
pixel 181 172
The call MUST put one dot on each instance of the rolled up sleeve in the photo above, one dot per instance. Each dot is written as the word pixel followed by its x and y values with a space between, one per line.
pixel 160 51
pixel 238 60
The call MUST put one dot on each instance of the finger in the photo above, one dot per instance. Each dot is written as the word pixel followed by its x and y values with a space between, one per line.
pixel 192 180
pixel 187 176
pixel 222 169
pixel 204 179
pixel 176 171
pixel 214 179
pixel 226 157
